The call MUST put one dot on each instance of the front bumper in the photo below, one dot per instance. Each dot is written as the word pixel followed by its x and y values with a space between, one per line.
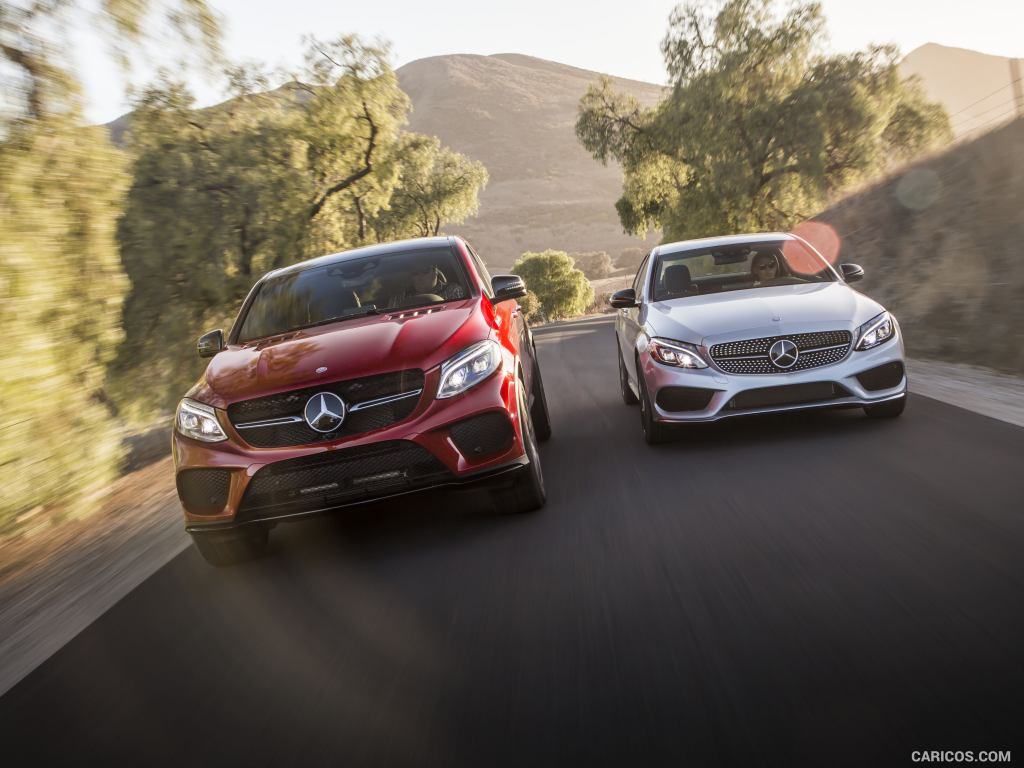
pixel 260 485
pixel 723 395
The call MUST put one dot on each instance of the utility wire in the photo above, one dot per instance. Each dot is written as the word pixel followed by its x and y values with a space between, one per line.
pixel 997 90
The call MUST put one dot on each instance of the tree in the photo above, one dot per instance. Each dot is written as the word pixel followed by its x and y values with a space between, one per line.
pixel 595 264
pixel 222 195
pixel 435 186
pixel 759 127
pixel 61 192
pixel 562 290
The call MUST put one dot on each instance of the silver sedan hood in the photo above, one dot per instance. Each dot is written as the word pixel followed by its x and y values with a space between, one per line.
pixel 754 312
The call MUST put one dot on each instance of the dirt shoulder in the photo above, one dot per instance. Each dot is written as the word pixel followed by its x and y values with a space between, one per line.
pixel 56 580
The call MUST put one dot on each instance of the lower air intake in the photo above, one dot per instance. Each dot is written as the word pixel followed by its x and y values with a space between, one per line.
pixel 204 491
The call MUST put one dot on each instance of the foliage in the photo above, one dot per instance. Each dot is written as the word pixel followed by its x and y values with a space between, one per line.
pixel 435 186
pixel 61 188
pixel 61 192
pixel 222 195
pixel 529 305
pixel 36 76
pixel 595 264
pixel 760 127
pixel 562 290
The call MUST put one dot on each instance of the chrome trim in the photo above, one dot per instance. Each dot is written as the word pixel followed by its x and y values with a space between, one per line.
pixel 281 421
pixel 384 400
pixel 269 422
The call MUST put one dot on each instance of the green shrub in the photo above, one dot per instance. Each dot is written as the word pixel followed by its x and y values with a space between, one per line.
pixel 562 290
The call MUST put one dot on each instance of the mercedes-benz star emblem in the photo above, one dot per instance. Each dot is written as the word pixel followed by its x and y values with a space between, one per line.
pixel 324 411
pixel 783 353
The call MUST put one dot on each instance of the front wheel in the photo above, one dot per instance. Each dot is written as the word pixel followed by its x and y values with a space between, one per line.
pixel 890 409
pixel 222 548
pixel 627 391
pixel 527 492
pixel 539 411
pixel 654 432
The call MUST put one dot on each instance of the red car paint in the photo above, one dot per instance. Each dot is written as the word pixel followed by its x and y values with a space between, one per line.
pixel 362 347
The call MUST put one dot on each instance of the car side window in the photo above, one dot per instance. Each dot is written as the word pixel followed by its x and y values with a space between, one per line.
pixel 638 281
pixel 481 269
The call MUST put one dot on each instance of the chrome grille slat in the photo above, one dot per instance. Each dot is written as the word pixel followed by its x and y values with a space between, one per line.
pixel 750 356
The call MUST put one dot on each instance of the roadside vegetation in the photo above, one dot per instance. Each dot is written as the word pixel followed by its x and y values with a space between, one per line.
pixel 561 289
pixel 760 127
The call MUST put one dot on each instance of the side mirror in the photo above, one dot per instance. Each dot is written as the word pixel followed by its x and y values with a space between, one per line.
pixel 623 299
pixel 211 343
pixel 852 272
pixel 507 287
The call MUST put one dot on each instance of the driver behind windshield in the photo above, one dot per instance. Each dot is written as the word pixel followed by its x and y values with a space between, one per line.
pixel 428 284
pixel 765 270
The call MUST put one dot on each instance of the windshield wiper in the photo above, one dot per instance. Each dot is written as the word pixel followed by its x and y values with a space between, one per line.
pixel 367 309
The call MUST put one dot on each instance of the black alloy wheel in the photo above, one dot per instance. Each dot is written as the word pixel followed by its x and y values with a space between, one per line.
pixel 539 409
pixel 654 432
pixel 527 492
pixel 628 397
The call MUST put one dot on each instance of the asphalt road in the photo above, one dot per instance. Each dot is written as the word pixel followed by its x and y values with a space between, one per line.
pixel 806 589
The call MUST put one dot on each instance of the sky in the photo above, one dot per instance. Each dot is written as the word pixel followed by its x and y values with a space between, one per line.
pixel 618 38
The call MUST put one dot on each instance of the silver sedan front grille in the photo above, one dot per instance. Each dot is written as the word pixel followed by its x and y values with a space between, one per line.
pixel 750 356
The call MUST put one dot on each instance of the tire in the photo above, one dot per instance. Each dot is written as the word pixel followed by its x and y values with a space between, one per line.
pixel 527 491
pixel 624 389
pixel 890 409
pixel 539 411
pixel 221 548
pixel 655 433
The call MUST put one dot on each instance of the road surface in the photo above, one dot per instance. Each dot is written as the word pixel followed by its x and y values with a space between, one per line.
pixel 815 589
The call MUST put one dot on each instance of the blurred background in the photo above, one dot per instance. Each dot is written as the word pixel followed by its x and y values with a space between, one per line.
pixel 157 158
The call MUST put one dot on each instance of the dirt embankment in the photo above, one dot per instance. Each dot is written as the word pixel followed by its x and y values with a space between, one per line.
pixel 943 247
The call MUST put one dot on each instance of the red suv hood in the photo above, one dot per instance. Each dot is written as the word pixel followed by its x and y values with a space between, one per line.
pixel 350 349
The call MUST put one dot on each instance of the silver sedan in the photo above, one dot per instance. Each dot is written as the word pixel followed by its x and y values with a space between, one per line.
pixel 750 324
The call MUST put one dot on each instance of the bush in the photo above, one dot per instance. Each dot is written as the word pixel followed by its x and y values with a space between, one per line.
pixel 595 264
pixel 560 288
pixel 630 258
pixel 530 307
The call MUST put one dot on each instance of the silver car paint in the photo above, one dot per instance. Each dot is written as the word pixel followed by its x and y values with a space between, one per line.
pixel 746 314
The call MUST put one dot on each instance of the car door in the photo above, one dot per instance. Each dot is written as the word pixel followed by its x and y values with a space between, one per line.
pixel 627 322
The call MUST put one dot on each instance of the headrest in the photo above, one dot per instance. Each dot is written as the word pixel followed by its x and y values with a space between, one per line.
pixel 677 278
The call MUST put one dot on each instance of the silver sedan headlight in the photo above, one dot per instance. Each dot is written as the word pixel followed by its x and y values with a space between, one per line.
pixel 468 368
pixel 198 421
pixel 875 331
pixel 676 353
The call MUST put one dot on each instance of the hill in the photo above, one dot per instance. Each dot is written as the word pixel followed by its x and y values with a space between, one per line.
pixel 516 114
pixel 941 245
pixel 975 88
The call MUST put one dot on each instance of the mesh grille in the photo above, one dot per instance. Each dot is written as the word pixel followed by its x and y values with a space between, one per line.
pixel 204 491
pixel 353 392
pixel 482 435
pixel 338 477
pixel 726 355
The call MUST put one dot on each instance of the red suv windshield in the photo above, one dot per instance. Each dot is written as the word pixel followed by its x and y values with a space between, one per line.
pixel 354 287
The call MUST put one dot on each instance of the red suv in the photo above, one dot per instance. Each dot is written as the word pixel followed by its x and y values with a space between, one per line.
pixel 361 375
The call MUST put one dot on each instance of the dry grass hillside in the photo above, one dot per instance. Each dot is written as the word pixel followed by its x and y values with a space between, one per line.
pixel 517 114
pixel 943 247
pixel 975 88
